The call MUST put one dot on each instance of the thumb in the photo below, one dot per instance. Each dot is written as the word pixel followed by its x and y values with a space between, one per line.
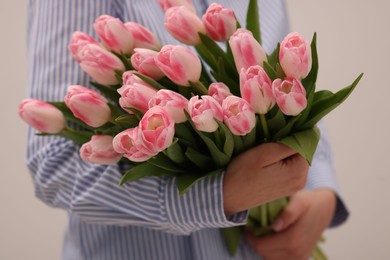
pixel 296 207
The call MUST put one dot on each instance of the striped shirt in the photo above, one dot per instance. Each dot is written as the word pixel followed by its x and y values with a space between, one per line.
pixel 144 219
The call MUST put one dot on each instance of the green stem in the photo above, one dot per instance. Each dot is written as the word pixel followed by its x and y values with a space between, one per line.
pixel 264 216
pixel 318 254
pixel 199 88
pixel 264 126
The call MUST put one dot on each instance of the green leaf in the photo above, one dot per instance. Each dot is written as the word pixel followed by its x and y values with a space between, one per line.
pixel 144 169
pixel 167 83
pixel 185 181
pixel 127 120
pixel 152 82
pixel 253 20
pixel 79 137
pixel 201 160
pixel 276 207
pixel 238 144
pixel 277 122
pixel 311 78
pixel 270 71
pixel 228 145
pixel 219 53
pixel 109 92
pixel 329 102
pixel 175 152
pixel 310 82
pixel 136 112
pixel 249 140
pixel 163 162
pixel 285 131
pixel 115 111
pixel 273 58
pixel 207 56
pixel 186 135
pixel 220 159
pixel 304 142
pixel 279 71
pixel 232 237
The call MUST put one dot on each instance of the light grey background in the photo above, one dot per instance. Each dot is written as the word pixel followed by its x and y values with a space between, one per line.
pixel 353 37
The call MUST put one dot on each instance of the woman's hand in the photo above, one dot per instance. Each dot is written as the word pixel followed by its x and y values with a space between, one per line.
pixel 262 174
pixel 298 228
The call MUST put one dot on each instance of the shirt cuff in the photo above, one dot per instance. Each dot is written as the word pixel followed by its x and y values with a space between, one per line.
pixel 200 207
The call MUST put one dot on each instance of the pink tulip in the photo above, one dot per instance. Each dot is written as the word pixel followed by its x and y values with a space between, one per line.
pixel 166 4
pixel 256 88
pixel 130 145
pixel 238 115
pixel 129 78
pixel 295 56
pixel 172 102
pixel 99 150
pixel 143 37
pixel 220 22
pixel 42 116
pixel 204 111
pixel 219 91
pixel 246 50
pixel 114 34
pixel 88 105
pixel 156 129
pixel 100 64
pixel 143 61
pixel 184 25
pixel 179 64
pixel 290 96
pixel 79 40
pixel 136 96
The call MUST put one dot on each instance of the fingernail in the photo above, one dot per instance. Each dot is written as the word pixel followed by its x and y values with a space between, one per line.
pixel 277 225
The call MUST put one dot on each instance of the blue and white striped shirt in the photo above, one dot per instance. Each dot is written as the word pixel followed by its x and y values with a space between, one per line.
pixel 145 219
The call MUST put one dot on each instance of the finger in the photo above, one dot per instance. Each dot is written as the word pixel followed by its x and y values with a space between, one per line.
pixel 296 207
pixel 270 153
pixel 264 246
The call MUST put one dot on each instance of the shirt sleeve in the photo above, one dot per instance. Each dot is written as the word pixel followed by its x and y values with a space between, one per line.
pixel 322 175
pixel 62 179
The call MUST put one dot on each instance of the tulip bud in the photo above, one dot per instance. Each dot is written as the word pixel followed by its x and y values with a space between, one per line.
pixel 179 64
pixel 238 115
pixel 184 25
pixel 295 56
pixel 246 50
pixel 42 116
pixel 99 150
pixel 166 4
pixel 256 88
pixel 220 22
pixel 88 105
pixel 129 78
pixel 219 91
pixel 143 61
pixel 100 64
pixel 136 96
pixel 156 129
pixel 114 34
pixel 204 111
pixel 172 102
pixel 79 40
pixel 143 37
pixel 129 144
pixel 290 96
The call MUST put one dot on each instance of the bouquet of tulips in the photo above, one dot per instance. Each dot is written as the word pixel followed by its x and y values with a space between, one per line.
pixel 169 112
